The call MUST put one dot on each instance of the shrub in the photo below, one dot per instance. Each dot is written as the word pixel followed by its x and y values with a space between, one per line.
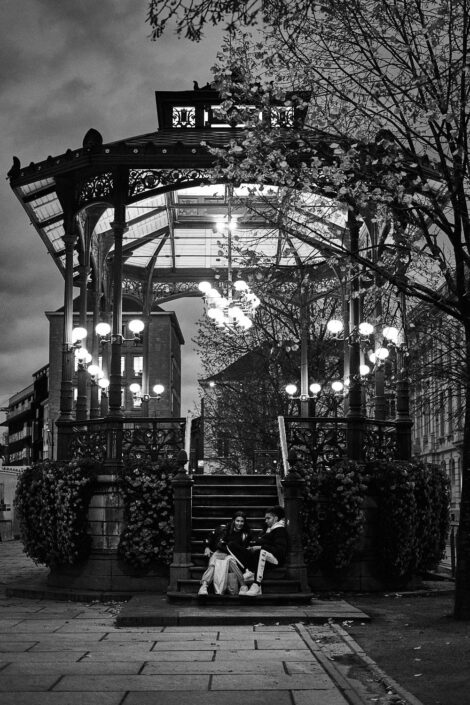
pixel 342 519
pixel 332 515
pixel 309 513
pixel 412 516
pixel 51 502
pixel 148 535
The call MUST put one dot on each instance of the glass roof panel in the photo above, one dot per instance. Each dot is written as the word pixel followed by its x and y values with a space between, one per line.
pixel 46 207
pixel 55 233
pixel 36 186
pixel 142 256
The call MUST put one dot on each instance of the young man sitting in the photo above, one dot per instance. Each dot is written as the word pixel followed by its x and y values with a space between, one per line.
pixel 271 548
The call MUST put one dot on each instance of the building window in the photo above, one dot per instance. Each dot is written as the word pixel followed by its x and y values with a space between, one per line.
pixel 138 365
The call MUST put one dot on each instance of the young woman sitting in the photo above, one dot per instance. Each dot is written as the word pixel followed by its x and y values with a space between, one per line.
pixel 270 548
pixel 221 563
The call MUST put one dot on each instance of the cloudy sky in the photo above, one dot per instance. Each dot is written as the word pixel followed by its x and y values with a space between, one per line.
pixel 66 66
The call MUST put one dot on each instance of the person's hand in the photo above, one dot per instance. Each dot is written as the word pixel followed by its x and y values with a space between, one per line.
pixel 255 548
pixel 207 552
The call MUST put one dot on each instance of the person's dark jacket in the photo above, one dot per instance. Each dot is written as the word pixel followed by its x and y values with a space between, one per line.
pixel 275 542
pixel 220 537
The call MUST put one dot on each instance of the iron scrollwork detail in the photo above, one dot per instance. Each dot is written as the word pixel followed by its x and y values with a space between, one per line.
pixel 153 441
pixel 96 188
pixel 316 442
pixel 142 180
pixel 86 443
pixel 380 443
pixel 135 288
pixel 162 292
pixel 183 116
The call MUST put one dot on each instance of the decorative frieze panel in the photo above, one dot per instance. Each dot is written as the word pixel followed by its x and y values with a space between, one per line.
pixel 134 288
pixel 183 116
pixel 96 188
pixel 142 180
pixel 162 292
pixel 282 116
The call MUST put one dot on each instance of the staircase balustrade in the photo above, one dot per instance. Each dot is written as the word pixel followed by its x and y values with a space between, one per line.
pixel 326 440
pixel 150 439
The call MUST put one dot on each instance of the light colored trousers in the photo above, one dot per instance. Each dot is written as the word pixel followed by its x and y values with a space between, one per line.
pixel 208 574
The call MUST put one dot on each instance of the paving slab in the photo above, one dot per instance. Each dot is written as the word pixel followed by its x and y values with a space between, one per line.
pixel 6 645
pixel 212 667
pixel 59 699
pixel 270 682
pixel 75 668
pixel 18 682
pixel 192 683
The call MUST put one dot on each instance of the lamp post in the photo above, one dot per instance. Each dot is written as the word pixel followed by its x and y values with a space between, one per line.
pixel 136 390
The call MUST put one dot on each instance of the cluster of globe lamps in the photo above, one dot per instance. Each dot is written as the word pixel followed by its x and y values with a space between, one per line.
pixel 376 357
pixel 84 357
pixel 228 313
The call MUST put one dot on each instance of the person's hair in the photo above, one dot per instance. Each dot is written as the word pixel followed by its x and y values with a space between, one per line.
pixel 242 514
pixel 276 511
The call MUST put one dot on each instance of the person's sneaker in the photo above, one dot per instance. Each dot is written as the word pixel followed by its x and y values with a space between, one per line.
pixel 255 589
pixel 248 576
pixel 243 590
pixel 203 589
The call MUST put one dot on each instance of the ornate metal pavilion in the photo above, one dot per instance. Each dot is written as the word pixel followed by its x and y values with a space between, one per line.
pixel 139 216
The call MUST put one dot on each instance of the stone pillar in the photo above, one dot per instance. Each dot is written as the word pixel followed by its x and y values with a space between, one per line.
pixel 293 489
pixel 182 489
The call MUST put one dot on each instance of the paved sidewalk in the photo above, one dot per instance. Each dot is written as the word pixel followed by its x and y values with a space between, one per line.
pixel 72 653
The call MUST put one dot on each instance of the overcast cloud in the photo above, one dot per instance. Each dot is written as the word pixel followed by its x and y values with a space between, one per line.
pixel 67 66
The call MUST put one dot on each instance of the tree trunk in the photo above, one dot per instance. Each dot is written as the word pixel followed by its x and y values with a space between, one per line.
pixel 462 574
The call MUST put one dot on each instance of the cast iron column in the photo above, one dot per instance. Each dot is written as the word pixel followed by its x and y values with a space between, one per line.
pixel 82 375
pixel 66 388
pixel 403 420
pixel 114 459
pixel 354 416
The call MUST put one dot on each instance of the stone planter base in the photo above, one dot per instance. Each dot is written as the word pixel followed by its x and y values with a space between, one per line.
pixel 103 571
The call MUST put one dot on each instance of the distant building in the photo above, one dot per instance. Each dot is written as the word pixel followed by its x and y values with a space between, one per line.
pixel 32 412
pixel 437 395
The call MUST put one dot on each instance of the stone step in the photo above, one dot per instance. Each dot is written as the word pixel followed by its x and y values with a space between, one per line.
pixel 234 479
pixel 270 586
pixel 200 566
pixel 226 512
pixel 266 498
pixel 228 490
pixel 224 516
pixel 295 598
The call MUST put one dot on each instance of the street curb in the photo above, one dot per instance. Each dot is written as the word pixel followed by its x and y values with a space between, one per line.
pixel 379 674
pixel 345 686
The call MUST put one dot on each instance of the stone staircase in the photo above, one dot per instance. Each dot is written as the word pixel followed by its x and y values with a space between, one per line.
pixel 215 498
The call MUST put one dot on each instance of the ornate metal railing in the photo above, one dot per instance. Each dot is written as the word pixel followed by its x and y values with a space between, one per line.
pixel 138 439
pixel 325 440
